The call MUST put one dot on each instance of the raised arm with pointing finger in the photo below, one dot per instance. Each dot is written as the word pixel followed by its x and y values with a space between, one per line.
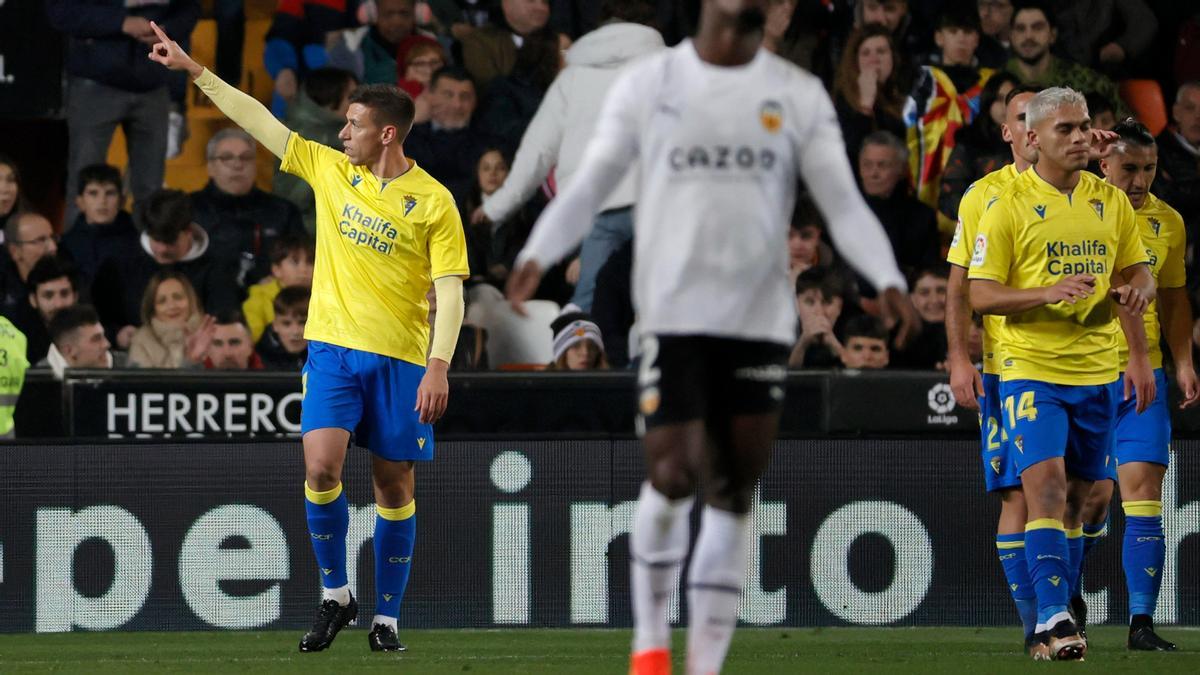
pixel 240 107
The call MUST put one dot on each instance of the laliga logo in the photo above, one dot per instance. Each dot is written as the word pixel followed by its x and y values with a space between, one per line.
pixel 941 398
pixel 941 402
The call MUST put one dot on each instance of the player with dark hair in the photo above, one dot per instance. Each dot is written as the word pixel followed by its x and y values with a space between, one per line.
pixel 721 132
pixel 385 228
pixel 1140 449
pixel 1057 255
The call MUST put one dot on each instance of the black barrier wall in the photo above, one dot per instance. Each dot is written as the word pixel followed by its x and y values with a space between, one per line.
pixel 521 533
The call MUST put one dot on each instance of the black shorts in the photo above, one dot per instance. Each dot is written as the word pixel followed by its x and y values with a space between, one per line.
pixel 691 377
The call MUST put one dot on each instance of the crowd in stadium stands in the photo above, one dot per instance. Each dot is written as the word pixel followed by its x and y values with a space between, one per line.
pixel 507 93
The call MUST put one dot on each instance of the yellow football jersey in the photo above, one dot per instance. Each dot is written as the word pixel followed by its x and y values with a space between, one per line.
pixel 1032 237
pixel 379 248
pixel 974 202
pixel 1162 231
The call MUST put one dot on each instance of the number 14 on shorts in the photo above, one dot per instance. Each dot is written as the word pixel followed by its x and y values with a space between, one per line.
pixel 1024 409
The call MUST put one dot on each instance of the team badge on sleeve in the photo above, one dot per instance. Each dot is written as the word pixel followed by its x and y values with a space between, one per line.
pixel 980 250
pixel 771 116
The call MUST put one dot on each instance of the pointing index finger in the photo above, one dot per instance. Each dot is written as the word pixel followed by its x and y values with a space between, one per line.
pixel 159 32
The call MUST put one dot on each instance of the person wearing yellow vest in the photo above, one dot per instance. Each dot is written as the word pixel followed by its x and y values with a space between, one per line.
pixel 13 365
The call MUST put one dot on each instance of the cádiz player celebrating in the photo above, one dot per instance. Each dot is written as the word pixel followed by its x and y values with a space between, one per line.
pixel 999 468
pixel 385 229
pixel 721 132
pixel 1141 442
pixel 1046 256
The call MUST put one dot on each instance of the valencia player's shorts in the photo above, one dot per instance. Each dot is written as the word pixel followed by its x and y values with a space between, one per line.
pixel 999 468
pixel 1046 421
pixel 370 395
pixel 702 377
pixel 1145 437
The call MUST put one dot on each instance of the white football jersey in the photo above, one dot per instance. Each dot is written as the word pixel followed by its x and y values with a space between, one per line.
pixel 721 153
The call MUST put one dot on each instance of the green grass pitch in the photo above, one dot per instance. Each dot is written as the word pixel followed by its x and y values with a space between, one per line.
pixel 755 652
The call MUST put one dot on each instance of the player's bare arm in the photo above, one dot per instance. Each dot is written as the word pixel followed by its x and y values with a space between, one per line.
pixel 1139 374
pixel 993 297
pixel 1137 291
pixel 965 380
pixel 1175 312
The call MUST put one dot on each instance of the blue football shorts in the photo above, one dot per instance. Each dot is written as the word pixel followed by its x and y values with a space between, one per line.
pixel 370 395
pixel 1074 422
pixel 1145 437
pixel 999 469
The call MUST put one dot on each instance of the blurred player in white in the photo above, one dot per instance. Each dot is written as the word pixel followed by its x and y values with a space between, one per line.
pixel 723 132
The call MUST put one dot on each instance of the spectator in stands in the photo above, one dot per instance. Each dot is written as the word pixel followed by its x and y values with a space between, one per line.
pixel 241 220
pixel 78 341
pixel 928 349
pixel 492 247
pixel 1105 34
pixel 892 14
pixel 1034 32
pixel 229 346
pixel 419 58
pixel 563 125
pixel 944 99
pixel 979 148
pixel 28 236
pixel 175 333
pixel 295 43
pixel 783 38
pixel 103 229
pixel 578 344
pixel 110 82
pixel 865 344
pixel 910 225
pixel 1178 181
pixel 806 250
pixel 491 51
pixel 457 18
pixel 370 51
pixel 864 91
pixel 318 114
pixel 819 294
pixel 447 145
pixel 612 306
pixel 995 23
pixel 283 346
pixel 52 287
pixel 292 259
pixel 1101 111
pixel 11 199
pixel 170 240
pixel 510 101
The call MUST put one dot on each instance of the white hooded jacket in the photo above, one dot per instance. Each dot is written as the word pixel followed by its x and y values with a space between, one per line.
pixel 563 125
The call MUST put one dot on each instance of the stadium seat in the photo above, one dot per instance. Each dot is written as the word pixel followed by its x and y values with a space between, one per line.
pixel 1145 98
pixel 514 339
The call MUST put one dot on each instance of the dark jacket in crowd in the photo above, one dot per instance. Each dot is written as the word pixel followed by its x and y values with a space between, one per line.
pixel 975 155
pixel 242 229
pixel 911 227
pixel 612 304
pixel 119 284
pixel 508 106
pixel 14 294
pixel 447 155
pixel 91 245
pixel 1178 181
pixel 37 338
pixel 274 357
pixel 856 126
pixel 924 352
pixel 487 248
pixel 98 50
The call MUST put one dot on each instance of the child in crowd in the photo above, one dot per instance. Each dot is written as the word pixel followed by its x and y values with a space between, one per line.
pixel 283 346
pixel 578 344
pixel 819 302
pixel 102 230
pixel 866 344
pixel 173 324
pixel 291 265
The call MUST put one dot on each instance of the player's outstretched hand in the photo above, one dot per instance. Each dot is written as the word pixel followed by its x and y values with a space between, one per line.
pixel 1132 298
pixel 433 394
pixel 898 311
pixel 1189 384
pixel 1102 144
pixel 1139 379
pixel 522 284
pixel 168 52
pixel 965 382
pixel 1070 289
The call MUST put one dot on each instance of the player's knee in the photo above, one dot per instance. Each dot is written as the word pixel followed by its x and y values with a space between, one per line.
pixel 674 479
pixel 321 476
